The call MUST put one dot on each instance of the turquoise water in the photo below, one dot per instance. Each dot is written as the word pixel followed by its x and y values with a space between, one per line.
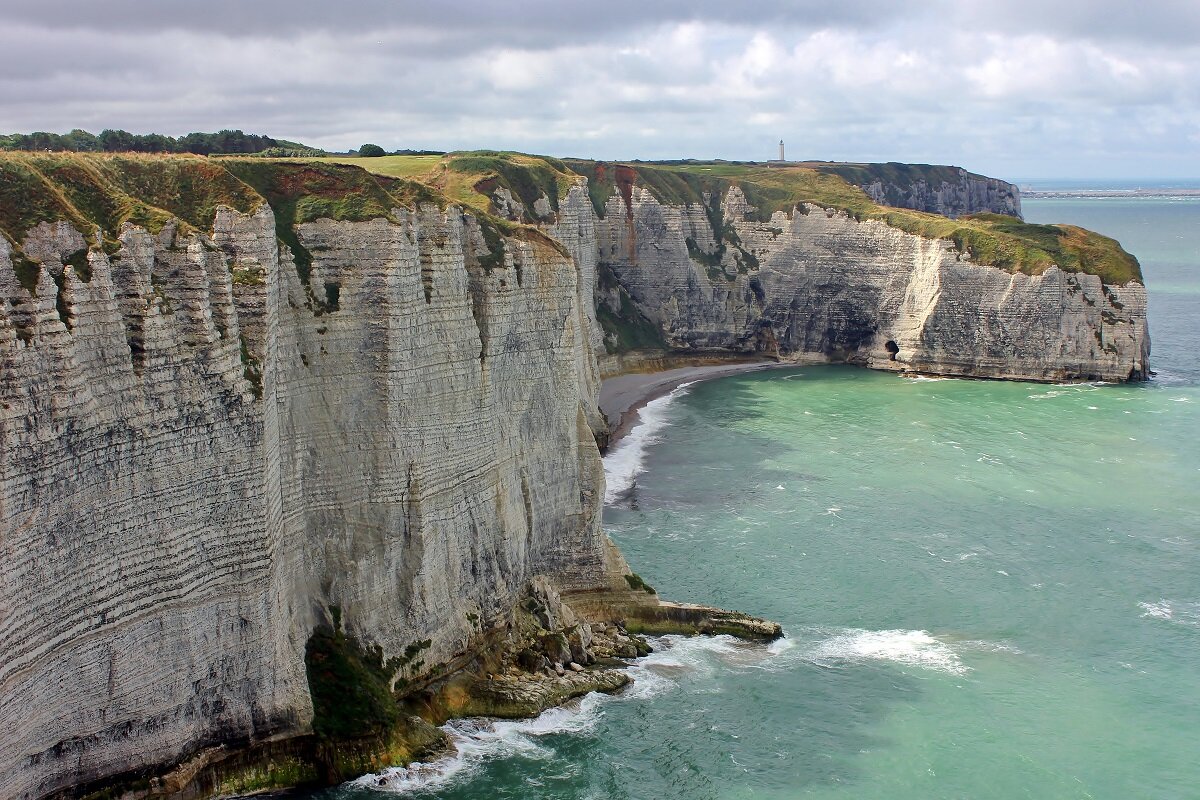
pixel 990 590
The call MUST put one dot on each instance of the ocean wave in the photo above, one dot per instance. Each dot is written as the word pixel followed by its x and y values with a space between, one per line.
pixel 626 461
pixel 911 648
pixel 1173 611
pixel 675 659
pixel 478 741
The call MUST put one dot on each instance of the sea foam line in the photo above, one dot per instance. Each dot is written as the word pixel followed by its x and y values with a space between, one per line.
pixel 478 741
pixel 626 461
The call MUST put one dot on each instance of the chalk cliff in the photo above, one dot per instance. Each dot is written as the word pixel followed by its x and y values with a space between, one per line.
pixel 206 449
pixel 253 411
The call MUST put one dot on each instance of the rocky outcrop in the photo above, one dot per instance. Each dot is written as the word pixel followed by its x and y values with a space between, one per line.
pixel 822 284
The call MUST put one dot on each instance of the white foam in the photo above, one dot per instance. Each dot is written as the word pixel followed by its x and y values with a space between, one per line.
pixel 478 741
pixel 626 461
pixel 781 645
pixel 1173 611
pixel 1159 610
pixel 991 647
pixel 911 648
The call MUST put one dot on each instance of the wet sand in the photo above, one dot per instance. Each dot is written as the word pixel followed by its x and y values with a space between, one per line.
pixel 621 396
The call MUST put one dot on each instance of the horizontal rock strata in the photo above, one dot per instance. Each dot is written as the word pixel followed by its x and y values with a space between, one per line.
pixel 204 453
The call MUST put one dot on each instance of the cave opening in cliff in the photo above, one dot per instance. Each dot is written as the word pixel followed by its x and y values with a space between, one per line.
pixel 892 349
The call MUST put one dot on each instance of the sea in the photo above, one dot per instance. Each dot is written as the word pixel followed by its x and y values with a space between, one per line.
pixel 989 589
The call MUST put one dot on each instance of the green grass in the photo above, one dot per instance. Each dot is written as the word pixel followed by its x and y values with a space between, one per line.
pixel 92 191
pixel 410 167
pixel 470 178
pixel 637 584
pixel 28 198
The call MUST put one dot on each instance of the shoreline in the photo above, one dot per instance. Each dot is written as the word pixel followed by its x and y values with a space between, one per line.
pixel 623 396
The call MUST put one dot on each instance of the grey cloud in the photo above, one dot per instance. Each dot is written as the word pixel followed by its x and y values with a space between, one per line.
pixel 545 23
pixel 505 21
pixel 1160 21
pixel 944 82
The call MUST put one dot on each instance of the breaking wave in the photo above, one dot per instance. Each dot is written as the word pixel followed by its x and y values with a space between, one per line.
pixel 478 741
pixel 1172 611
pixel 627 459
pixel 909 648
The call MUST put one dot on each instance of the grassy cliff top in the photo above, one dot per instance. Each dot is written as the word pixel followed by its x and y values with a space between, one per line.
pixel 101 192
pixel 471 177
pixel 108 191
pixel 989 239
pixel 105 191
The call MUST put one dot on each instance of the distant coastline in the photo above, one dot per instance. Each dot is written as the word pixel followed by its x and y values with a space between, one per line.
pixel 1103 188
pixel 1043 194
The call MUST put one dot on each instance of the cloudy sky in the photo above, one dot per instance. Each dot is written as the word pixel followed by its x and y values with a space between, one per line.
pixel 1023 89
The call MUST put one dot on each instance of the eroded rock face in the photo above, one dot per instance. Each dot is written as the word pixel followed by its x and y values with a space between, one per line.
pixel 824 286
pixel 964 193
pixel 214 453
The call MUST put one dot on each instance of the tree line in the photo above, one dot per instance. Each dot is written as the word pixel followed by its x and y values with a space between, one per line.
pixel 118 141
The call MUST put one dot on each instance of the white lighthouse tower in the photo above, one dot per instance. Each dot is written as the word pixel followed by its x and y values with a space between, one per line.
pixel 781 158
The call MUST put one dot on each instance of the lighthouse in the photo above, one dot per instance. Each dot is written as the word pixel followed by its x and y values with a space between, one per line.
pixel 781 158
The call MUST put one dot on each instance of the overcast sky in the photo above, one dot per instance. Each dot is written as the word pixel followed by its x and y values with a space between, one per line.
pixel 1022 89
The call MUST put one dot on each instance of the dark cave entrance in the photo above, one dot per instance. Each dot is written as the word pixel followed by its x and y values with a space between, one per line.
pixel 892 349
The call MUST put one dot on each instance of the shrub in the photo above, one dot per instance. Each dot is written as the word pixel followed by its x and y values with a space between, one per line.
pixel 371 151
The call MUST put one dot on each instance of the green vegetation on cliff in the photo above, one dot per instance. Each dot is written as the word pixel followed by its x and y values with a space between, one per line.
pixel 472 177
pixel 350 686
pixel 105 191
pixel 625 327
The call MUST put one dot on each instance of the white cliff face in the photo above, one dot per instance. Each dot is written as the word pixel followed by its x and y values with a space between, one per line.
pixel 207 459
pixel 824 285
